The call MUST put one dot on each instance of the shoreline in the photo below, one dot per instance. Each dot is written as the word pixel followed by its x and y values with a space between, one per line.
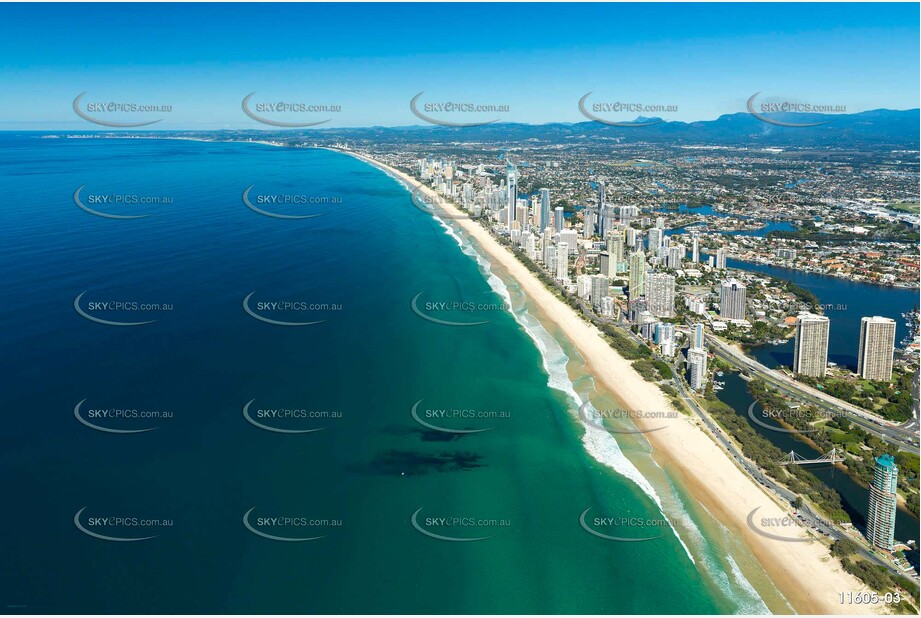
pixel 830 275
pixel 802 572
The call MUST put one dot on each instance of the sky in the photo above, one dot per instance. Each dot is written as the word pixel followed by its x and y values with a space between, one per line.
pixel 370 60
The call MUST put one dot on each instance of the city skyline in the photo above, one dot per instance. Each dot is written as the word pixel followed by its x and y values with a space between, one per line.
pixel 461 302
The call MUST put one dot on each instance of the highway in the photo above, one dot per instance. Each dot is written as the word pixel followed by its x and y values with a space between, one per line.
pixel 808 518
pixel 899 436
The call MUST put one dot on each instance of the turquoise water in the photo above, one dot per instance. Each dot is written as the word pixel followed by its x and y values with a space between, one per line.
pixel 358 479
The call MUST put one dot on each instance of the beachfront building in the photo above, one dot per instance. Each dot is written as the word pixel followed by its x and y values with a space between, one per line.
pixel 550 258
pixel 732 300
pixel 877 343
pixel 544 209
pixel 584 286
pixel 647 325
pixel 882 509
pixel 810 350
pixel 637 279
pixel 665 337
pixel 697 368
pixel 562 261
pixel 660 295
pixel 511 186
pixel 599 291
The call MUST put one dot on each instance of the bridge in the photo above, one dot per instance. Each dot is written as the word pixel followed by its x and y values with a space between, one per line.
pixel 905 438
pixel 795 458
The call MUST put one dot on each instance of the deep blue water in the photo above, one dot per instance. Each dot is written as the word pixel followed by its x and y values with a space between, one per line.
pixel 369 359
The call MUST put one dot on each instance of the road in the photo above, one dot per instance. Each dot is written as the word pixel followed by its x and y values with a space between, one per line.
pixel 808 518
pixel 900 436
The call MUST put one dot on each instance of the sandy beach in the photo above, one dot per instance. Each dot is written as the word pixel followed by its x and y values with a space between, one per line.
pixel 805 572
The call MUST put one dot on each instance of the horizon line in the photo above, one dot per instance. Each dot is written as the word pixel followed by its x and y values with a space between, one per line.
pixel 586 121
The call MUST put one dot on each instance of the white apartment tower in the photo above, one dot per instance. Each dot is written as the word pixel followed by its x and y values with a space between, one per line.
pixel 732 300
pixel 810 351
pixel 660 295
pixel 877 342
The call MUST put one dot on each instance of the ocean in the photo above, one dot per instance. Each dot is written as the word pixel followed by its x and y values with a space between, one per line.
pixel 348 412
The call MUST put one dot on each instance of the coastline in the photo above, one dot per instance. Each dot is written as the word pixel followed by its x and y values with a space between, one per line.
pixel 801 571
pixel 832 275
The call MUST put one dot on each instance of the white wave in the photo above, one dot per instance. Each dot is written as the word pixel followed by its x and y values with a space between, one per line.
pixel 754 605
pixel 450 232
pixel 743 594
pixel 601 445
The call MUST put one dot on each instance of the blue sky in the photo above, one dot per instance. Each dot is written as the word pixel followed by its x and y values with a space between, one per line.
pixel 371 59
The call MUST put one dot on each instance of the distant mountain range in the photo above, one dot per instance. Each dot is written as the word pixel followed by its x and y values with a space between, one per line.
pixel 879 128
